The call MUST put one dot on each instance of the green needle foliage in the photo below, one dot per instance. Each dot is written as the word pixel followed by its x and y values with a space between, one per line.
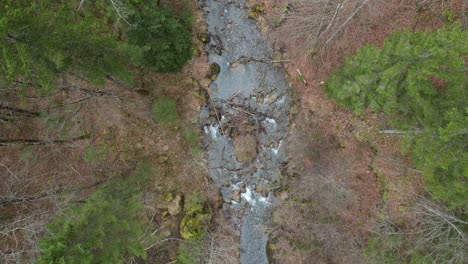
pixel 419 80
pixel 441 155
pixel 105 229
pixel 166 43
pixel 40 39
pixel 162 34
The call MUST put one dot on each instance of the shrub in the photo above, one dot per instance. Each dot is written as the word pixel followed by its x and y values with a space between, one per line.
pixel 189 252
pixel 385 246
pixel 196 219
pixel 192 140
pixel 164 111
pixel 94 154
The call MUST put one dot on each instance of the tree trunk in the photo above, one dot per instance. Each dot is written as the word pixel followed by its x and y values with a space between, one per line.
pixel 401 132
pixel 28 142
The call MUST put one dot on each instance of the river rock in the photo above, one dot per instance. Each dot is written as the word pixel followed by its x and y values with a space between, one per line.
pixel 283 196
pixel 245 148
pixel 270 99
pixel 236 195
pixel 243 187
pixel 205 116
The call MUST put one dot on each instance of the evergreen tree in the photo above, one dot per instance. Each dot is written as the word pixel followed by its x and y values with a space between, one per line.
pixel 441 155
pixel 104 230
pixel 40 39
pixel 161 33
pixel 166 43
pixel 419 80
pixel 413 76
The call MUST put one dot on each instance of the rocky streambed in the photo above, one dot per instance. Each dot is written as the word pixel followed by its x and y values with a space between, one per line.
pixel 245 122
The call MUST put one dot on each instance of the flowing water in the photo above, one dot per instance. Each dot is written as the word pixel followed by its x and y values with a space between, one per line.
pixel 248 115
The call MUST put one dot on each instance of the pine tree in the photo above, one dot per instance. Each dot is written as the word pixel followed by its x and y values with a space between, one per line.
pixel 441 154
pixel 104 230
pixel 163 34
pixel 166 43
pixel 40 39
pixel 419 80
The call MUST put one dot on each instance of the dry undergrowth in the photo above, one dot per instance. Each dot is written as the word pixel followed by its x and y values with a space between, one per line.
pixel 344 176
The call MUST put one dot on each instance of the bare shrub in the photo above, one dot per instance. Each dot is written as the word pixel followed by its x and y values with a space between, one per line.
pixel 340 26
pixel 219 247
pixel 309 221
pixel 426 232
pixel 315 23
pixel 441 234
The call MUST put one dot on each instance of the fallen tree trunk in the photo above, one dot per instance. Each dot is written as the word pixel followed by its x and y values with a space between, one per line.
pixel 30 142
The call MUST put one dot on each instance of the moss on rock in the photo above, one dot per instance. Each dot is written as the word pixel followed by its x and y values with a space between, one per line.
pixel 197 218
pixel 214 71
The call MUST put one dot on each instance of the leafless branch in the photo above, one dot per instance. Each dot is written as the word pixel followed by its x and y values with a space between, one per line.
pixel 118 9
pixel 356 11
pixel 80 5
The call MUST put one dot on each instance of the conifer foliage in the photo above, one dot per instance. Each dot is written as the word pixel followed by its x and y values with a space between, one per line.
pixel 419 80
pixel 105 229
pixel 161 33
pixel 166 43
pixel 94 40
pixel 40 39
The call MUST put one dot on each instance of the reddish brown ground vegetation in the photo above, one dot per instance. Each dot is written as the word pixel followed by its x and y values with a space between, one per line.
pixel 330 146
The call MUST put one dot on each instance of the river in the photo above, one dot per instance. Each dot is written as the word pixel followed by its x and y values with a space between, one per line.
pixel 245 123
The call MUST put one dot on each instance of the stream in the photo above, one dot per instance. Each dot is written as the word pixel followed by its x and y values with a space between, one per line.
pixel 245 123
